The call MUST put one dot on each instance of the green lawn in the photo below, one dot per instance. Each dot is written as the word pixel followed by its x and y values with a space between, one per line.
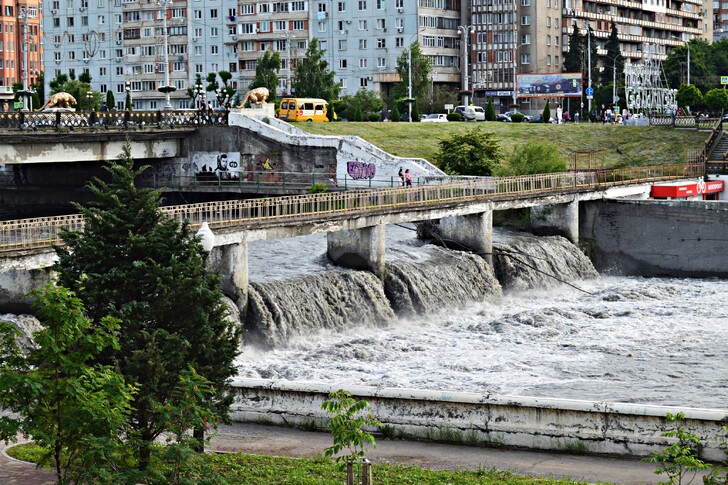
pixel 639 145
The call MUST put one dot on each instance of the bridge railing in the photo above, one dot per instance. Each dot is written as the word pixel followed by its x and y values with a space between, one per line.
pixel 43 232
pixel 111 119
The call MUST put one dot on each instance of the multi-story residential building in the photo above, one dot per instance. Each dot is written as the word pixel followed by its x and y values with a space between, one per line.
pixel 720 19
pixel 20 34
pixel 532 36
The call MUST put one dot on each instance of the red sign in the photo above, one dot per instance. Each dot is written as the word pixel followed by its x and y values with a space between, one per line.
pixel 687 189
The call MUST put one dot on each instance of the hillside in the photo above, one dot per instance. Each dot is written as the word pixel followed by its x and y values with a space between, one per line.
pixel 638 145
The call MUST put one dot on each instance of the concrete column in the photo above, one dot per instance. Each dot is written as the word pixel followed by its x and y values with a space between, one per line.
pixel 231 261
pixel 358 249
pixel 557 219
pixel 473 232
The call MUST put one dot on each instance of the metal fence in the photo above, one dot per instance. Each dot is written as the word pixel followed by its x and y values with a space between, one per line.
pixel 43 232
pixel 111 119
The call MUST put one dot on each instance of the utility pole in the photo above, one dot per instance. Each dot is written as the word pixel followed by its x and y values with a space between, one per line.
pixel 465 30
pixel 588 42
pixel 289 34
pixel 167 88
pixel 26 95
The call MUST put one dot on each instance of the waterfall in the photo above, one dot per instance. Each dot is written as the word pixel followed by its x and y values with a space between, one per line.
pixel 523 261
pixel 332 300
pixel 447 279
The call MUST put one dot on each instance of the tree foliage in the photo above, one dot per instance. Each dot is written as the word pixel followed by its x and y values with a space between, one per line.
pixel 574 57
pixel 74 407
pixel 546 115
pixel 146 269
pixel 314 78
pixel 347 426
pixel 716 100
pixel 613 61
pixel 532 158
pixel 688 95
pixel 490 111
pixel 421 69
pixel 266 72
pixel 474 152
pixel 368 101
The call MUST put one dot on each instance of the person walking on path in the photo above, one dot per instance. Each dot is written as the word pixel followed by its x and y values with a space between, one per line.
pixel 408 178
pixel 401 177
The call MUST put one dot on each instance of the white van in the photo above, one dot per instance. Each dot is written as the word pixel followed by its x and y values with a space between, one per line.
pixel 474 113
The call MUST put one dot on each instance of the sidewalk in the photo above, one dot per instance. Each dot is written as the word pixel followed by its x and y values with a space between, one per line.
pixel 280 441
pixel 13 472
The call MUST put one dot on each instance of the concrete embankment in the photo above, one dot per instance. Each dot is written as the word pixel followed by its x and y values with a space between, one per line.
pixel 481 419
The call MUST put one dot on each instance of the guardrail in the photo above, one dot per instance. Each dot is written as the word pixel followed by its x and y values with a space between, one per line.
pixel 111 119
pixel 43 232
pixel 697 122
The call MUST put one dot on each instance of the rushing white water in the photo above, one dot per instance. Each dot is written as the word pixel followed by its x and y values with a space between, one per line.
pixel 660 341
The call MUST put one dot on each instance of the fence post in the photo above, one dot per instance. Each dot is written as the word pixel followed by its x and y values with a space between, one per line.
pixel 346 186
pixel 257 176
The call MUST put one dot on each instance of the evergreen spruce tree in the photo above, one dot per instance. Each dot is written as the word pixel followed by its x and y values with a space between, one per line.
pixel 135 264
pixel 395 114
pixel 110 101
pixel 314 79
pixel 613 62
pixel 573 58
pixel 490 110
pixel 546 112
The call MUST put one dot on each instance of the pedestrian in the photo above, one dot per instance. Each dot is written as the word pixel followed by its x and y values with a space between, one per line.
pixel 604 115
pixel 104 107
pixel 401 177
pixel 576 118
pixel 559 114
pixel 408 178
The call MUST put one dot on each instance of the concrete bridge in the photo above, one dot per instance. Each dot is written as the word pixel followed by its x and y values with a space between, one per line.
pixel 354 220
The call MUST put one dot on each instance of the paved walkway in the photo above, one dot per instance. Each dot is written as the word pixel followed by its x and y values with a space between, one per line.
pixel 279 441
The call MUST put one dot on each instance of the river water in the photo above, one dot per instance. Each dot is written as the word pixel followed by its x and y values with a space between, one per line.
pixel 442 322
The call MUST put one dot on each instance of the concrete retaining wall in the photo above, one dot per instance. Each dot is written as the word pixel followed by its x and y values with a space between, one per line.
pixel 482 419
pixel 656 238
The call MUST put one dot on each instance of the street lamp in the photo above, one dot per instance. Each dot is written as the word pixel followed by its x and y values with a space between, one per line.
pixel 200 91
pixel 687 44
pixel 515 86
pixel 409 77
pixel 89 98
pixel 166 89
pixel 128 95
pixel 222 96
pixel 465 30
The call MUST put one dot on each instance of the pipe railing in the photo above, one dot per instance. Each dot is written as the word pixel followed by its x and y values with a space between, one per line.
pixel 41 232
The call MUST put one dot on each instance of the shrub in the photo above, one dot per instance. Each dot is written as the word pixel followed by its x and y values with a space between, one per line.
pixel 517 118
pixel 490 111
pixel 373 117
pixel 394 114
pixel 546 113
pixel 347 426
pixel 475 152
pixel 358 116
pixel 531 158
pixel 454 117
pixel 317 188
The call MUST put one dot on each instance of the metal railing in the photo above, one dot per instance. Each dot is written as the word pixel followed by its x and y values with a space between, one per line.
pixel 111 119
pixel 43 232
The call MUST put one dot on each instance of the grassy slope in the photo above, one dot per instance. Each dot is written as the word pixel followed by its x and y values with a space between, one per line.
pixel 641 145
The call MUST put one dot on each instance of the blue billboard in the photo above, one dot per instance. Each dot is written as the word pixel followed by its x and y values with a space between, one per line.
pixel 556 84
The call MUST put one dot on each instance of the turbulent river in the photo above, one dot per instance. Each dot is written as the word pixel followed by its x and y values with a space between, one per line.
pixel 442 321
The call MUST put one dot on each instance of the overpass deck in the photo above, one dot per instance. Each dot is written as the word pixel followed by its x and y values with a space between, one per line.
pixel 231 216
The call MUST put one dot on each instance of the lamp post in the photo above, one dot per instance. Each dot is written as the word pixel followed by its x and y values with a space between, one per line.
pixel 687 44
pixel 166 89
pixel 465 30
pixel 89 98
pixel 515 85
pixel 128 94
pixel 200 91
pixel 289 34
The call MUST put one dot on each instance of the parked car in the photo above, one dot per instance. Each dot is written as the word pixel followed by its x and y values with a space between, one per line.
pixel 435 118
pixel 470 113
pixel 503 117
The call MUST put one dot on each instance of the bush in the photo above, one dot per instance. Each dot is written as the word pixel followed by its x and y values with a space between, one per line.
pixel 373 117
pixel 394 114
pixel 358 116
pixel 531 158
pixel 490 111
pixel 317 188
pixel 517 118
pixel 546 113
pixel 454 117
pixel 475 152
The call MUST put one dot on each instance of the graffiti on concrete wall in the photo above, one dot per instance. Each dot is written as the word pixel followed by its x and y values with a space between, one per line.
pixel 218 165
pixel 361 170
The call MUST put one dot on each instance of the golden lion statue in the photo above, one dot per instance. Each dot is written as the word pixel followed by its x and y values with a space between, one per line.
pixel 256 96
pixel 59 100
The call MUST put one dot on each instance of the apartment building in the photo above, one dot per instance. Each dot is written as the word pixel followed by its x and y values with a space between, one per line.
pixel 720 19
pixel 20 33
pixel 531 36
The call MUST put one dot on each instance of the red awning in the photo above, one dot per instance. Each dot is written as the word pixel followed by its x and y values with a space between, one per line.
pixel 687 189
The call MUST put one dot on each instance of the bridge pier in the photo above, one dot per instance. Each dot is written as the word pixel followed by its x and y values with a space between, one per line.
pixel 231 261
pixel 557 219
pixel 358 249
pixel 474 232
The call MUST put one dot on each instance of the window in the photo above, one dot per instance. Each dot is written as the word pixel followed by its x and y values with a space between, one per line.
pixel 362 25
pixel 362 63
pixel 526 20
pixel 343 63
pixel 214 50
pixel 213 13
pixel 342 6
pixel 525 58
pixel 69 22
pixel 381 43
pixel 548 21
pixel 298 25
pixel 362 5
pixel 362 44
pixel 381 24
pixel 214 31
pixel 548 60
pixel 548 40
pixel 197 14
pixel 381 62
pixel 525 39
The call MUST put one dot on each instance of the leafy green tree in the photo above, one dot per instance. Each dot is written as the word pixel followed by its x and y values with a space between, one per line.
pixel 716 100
pixel 368 101
pixel 146 269
pixel 546 115
pixel 39 88
pixel 266 72
pixel 490 111
pixel 421 69
pixel 85 77
pixel 688 95
pixel 314 79
pixel 347 426
pixel 192 91
pixel 474 152
pixel 613 61
pixel 74 407
pixel 680 459
pixel 574 56
pixel 532 158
